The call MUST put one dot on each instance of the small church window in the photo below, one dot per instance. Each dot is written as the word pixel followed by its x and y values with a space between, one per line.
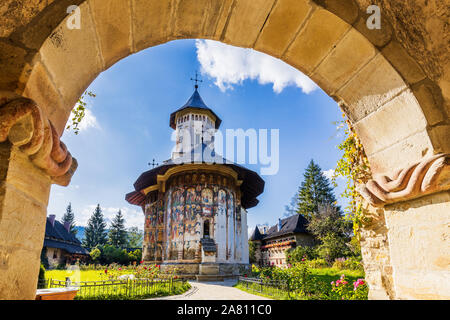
pixel 206 229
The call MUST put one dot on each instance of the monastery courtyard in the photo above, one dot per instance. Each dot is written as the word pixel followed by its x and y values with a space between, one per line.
pixel 218 290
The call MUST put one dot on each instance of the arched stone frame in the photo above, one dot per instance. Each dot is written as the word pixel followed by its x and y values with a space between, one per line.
pixel 383 87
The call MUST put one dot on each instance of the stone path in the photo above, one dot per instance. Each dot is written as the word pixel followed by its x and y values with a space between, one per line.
pixel 220 290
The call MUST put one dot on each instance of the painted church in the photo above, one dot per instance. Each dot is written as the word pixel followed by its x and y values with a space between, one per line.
pixel 195 203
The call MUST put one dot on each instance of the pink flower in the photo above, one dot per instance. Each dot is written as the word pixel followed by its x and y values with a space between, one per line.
pixel 120 269
pixel 358 283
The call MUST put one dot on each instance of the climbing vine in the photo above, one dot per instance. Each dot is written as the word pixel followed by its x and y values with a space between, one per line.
pixel 354 167
pixel 79 112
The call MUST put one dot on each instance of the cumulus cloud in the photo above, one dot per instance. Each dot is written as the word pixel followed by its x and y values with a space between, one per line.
pixel 328 173
pixel 230 66
pixel 89 121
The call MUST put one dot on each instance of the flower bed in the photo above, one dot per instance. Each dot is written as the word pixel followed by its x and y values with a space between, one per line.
pixel 299 281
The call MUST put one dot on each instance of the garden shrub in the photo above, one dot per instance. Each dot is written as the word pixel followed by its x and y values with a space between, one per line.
pixel 352 263
pixel 318 263
pixel 343 290
pixel 299 253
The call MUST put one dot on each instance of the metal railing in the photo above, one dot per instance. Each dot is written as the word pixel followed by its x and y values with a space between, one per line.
pixel 117 289
pixel 274 288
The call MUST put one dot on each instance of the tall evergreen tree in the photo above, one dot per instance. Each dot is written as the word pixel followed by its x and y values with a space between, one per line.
pixel 314 190
pixel 134 237
pixel 69 217
pixel 117 233
pixel 95 232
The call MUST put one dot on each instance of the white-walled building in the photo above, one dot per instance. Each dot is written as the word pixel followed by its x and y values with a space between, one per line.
pixel 195 203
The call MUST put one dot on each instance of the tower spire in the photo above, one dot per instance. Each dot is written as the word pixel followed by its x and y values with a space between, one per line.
pixel 197 80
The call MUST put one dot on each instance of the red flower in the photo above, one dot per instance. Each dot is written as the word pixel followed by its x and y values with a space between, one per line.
pixel 142 261
pixel 106 270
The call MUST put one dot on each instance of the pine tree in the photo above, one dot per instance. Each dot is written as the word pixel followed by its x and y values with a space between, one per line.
pixel 117 233
pixel 134 237
pixel 95 232
pixel 69 217
pixel 314 190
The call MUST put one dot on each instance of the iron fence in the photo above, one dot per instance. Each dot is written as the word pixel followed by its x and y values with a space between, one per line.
pixel 118 289
pixel 274 288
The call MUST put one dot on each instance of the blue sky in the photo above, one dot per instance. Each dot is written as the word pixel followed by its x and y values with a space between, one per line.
pixel 128 123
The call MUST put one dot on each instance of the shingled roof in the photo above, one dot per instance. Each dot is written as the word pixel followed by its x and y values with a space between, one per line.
pixel 194 102
pixel 294 224
pixel 251 187
pixel 57 236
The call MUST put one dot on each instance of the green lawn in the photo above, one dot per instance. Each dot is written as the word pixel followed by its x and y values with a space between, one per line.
pixel 76 275
pixel 332 274
pixel 127 291
pixel 322 277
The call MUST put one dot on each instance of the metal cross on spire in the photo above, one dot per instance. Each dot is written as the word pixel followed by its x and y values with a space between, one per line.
pixel 197 80
pixel 153 164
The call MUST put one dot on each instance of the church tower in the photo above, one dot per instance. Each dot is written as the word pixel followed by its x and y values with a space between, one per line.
pixel 195 203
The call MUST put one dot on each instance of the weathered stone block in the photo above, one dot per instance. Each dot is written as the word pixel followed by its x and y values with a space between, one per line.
pixel 246 22
pixel 113 25
pixel 282 25
pixel 343 62
pixel 375 84
pixel 412 149
pixel 429 96
pixel 378 37
pixel 12 59
pixel 72 57
pixel 315 40
pixel 41 89
pixel 403 62
pixel 419 247
pixel 26 177
pixel 344 9
pixel 440 137
pixel 396 120
pixel 197 18
pixel 152 22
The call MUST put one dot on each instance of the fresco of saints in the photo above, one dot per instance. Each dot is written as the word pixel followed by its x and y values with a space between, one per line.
pixel 207 200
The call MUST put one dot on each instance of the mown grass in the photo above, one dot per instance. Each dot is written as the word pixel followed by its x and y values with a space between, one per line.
pixel 109 292
pixel 75 275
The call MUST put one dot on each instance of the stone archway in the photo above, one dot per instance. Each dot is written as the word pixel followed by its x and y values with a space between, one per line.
pixel 392 86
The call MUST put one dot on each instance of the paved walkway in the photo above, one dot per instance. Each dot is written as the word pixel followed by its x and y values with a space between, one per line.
pixel 220 290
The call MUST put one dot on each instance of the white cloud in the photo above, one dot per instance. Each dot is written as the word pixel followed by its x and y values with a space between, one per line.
pixel 89 121
pixel 328 173
pixel 230 65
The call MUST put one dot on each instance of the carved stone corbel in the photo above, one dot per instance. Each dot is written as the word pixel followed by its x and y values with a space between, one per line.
pixel 23 123
pixel 428 176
